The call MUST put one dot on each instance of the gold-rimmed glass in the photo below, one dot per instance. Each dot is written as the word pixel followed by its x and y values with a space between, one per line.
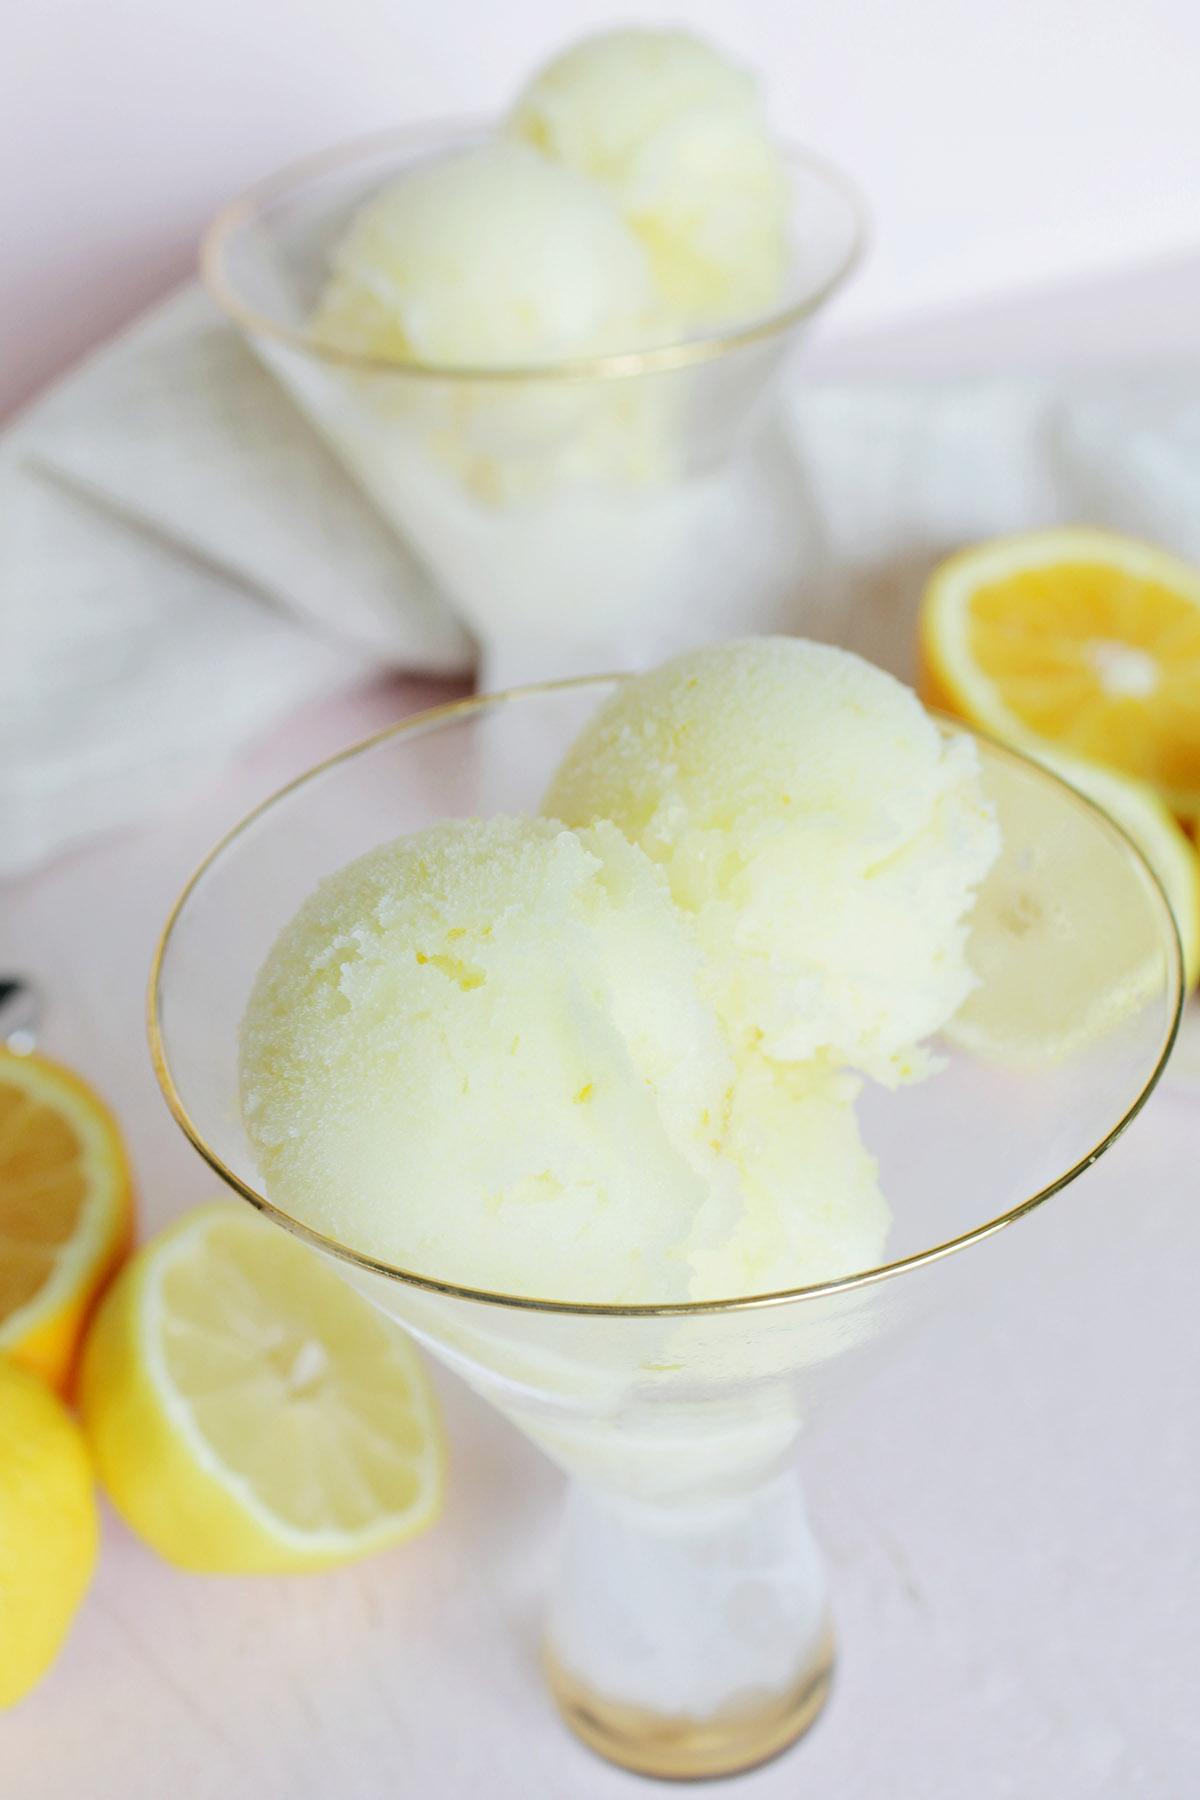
pixel 689 1629
pixel 580 515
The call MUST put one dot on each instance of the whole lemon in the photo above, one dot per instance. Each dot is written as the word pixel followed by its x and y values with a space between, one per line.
pixel 49 1529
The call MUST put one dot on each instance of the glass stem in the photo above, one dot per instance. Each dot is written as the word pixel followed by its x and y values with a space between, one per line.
pixel 691 1639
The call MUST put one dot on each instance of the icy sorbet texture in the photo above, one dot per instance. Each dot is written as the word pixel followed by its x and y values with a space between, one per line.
pixel 676 133
pixel 823 836
pixel 615 1058
pixel 634 191
pixel 489 257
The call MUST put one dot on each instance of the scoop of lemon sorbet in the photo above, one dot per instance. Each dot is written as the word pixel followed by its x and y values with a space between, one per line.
pixel 491 257
pixel 676 133
pixel 482 1053
pixel 826 837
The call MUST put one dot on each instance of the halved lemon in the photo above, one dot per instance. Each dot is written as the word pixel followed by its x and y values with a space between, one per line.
pixel 1063 936
pixel 66 1211
pixel 1168 849
pixel 1083 640
pixel 248 1411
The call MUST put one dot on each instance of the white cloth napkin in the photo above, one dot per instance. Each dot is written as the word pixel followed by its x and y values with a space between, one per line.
pixel 182 561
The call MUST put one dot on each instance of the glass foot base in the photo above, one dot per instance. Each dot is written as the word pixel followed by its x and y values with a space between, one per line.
pixel 683 1749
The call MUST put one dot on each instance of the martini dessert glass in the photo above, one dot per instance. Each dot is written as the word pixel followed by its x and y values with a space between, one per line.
pixel 689 1629
pixel 573 433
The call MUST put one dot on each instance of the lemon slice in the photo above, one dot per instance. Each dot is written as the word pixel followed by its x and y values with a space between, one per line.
pixel 1063 936
pixel 1140 813
pixel 248 1411
pixel 66 1211
pixel 49 1530
pixel 1082 640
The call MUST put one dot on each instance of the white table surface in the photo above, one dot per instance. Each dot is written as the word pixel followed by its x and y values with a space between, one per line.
pixel 1012 1512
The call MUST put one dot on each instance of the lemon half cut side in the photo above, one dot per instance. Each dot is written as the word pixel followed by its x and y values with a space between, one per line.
pixel 248 1411
pixel 66 1211
pixel 1081 640
pixel 1062 938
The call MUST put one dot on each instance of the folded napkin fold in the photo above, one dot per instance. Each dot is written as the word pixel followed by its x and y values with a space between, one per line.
pixel 182 561
pixel 181 564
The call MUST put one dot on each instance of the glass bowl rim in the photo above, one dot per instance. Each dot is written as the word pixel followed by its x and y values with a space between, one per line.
pixel 661 358
pixel 433 718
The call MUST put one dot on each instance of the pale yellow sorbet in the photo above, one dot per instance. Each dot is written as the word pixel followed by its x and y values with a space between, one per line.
pixel 676 132
pixel 824 834
pixel 492 257
pixel 482 1053
pixel 811 1208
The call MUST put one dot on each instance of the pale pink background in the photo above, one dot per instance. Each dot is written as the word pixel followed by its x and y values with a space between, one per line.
pixel 1005 147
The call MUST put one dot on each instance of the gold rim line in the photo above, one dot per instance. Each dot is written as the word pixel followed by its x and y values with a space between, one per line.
pixel 432 718
pixel 658 359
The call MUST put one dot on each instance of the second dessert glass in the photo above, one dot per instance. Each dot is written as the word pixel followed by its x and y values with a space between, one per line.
pixel 581 515
pixel 689 1628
